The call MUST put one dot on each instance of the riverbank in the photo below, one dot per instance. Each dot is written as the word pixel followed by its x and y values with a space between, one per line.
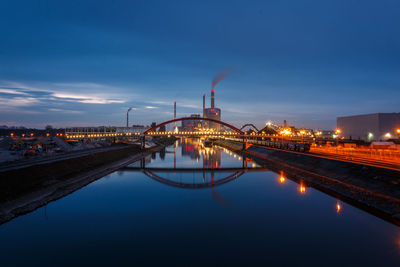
pixel 375 190
pixel 25 189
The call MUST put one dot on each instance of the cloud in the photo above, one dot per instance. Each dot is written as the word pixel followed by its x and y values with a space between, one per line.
pixel 18 101
pixel 55 94
pixel 86 99
pixel 66 111
pixel 150 107
pixel 12 91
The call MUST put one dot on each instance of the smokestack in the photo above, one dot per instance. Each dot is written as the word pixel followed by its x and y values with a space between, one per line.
pixel 212 99
pixel 174 115
pixel 127 117
pixel 204 104
pixel 174 110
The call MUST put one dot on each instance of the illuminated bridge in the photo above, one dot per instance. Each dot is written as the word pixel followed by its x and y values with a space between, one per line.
pixel 123 133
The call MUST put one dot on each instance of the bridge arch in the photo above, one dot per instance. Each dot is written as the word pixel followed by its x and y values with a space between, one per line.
pixel 172 183
pixel 152 129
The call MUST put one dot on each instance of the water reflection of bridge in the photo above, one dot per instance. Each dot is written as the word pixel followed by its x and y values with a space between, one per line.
pixel 236 173
pixel 161 169
pixel 210 166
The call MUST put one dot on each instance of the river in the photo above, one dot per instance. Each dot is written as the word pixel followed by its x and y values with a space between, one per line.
pixel 215 208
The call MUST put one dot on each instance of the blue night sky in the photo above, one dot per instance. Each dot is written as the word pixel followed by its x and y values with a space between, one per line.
pixel 79 63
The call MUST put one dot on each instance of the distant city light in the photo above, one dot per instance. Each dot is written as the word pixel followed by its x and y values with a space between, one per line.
pixel 388 135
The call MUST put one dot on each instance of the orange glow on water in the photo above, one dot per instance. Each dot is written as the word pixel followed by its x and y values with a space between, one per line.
pixel 338 207
pixel 282 179
pixel 302 189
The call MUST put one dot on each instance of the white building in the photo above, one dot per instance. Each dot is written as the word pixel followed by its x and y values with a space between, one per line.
pixel 369 127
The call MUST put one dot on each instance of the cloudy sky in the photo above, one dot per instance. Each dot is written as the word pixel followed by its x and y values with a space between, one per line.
pixel 69 63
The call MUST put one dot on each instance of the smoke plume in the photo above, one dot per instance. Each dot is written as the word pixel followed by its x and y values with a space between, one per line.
pixel 222 75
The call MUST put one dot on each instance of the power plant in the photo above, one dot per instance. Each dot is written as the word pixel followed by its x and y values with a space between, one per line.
pixel 212 113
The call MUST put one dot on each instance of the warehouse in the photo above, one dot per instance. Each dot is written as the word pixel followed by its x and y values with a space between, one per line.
pixel 370 127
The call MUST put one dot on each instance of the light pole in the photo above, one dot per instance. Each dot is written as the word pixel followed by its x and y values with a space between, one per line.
pixel 302 132
pixel 338 131
pixel 127 117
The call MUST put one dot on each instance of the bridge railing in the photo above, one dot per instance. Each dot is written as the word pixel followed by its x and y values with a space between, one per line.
pixel 84 135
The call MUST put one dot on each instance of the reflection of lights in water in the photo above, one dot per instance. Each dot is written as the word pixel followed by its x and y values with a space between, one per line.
pixel 302 189
pixel 234 155
pixel 282 178
pixel 338 207
pixel 239 158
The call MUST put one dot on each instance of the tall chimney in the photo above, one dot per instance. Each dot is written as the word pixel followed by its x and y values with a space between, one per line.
pixel 212 99
pixel 174 110
pixel 174 115
pixel 204 104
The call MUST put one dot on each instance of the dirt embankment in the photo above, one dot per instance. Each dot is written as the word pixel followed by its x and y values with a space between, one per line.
pixel 18 182
pixel 27 189
pixel 373 189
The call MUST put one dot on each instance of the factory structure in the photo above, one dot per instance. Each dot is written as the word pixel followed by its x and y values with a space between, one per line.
pixel 211 113
pixel 370 127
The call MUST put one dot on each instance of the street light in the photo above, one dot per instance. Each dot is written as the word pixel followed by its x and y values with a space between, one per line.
pixel 338 131
pixel 302 132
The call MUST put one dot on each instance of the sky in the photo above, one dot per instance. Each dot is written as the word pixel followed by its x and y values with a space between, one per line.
pixel 84 63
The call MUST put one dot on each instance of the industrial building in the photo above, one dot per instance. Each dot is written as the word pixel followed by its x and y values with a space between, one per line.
pixel 190 125
pixel 369 127
pixel 212 113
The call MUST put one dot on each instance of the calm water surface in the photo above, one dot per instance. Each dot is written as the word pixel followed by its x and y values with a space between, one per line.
pixel 158 218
